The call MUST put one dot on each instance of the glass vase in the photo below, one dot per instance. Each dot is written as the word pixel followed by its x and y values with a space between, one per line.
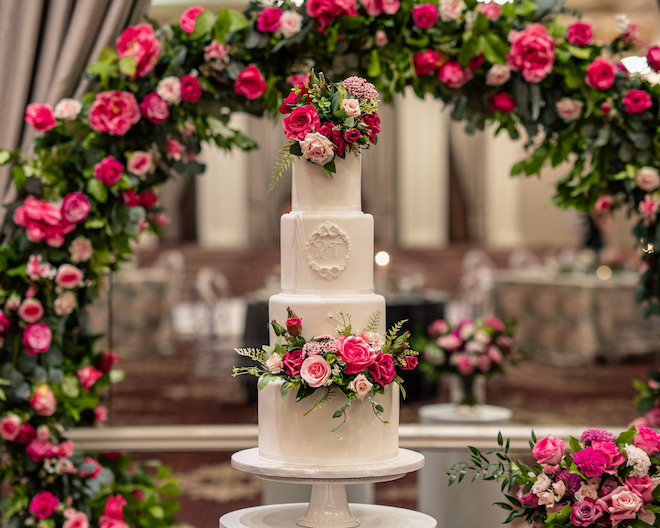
pixel 467 393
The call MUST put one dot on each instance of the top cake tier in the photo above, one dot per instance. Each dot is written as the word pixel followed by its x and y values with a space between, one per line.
pixel 314 192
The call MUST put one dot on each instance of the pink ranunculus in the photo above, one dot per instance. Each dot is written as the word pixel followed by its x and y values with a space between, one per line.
pixel 43 504
pixel 426 62
pixel 584 513
pixel 568 108
pixel 636 101
pixel 108 171
pixel 382 369
pixel 67 109
pixel 40 116
pixel 107 360
pixel 114 507
pixel 269 19
pixel 187 20
pixel 579 33
pixel 503 102
pixel 154 108
pixel 361 386
pixel 621 504
pixel 250 83
pixel 114 112
pixel 647 440
pixel 76 519
pixel 317 148
pixel 81 249
pixel 36 338
pixel 647 179
pixel 451 10
pixel 315 370
pixel 293 361
pixel 31 310
pixel 191 90
pixel 75 207
pixel 10 426
pixel 453 74
pixel 68 276
pixel 490 10
pixel 356 352
pixel 611 451
pixel 425 15
pixel 549 450
pixel 169 90
pixel 601 73
pixel 532 52
pixel 140 163
pixel 88 376
pixel 43 400
pixel 139 42
pixel 653 57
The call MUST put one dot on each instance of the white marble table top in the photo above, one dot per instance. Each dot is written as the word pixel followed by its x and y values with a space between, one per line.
pixel 446 413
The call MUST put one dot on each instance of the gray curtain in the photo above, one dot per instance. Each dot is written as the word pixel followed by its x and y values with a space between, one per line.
pixel 45 45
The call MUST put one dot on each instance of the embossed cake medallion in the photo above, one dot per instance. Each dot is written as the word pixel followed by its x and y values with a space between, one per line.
pixel 328 251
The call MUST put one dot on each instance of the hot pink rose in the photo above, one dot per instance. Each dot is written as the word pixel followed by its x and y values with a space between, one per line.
pixel 43 504
pixel 352 135
pixel 410 363
pixel 148 199
pixel 114 112
pixel 532 52
pixel 425 15
pixel 549 450
pixel 611 451
pixel 174 148
pixel 4 323
pixel 294 325
pixel 88 376
pixel 315 370
pixel 494 323
pixel 584 513
pixel 154 108
pixel 75 207
pixel 93 468
pixel 250 83
pixel 108 171
pixel 490 10
pixel 68 276
pixel 502 102
pixel 373 123
pixel 603 203
pixel 37 449
pixel 63 450
pixel 357 354
pixel 653 58
pixel 601 73
pixel 141 43
pixel 426 62
pixel 269 19
pixel 40 116
pixel 140 163
pixel 43 400
pixel 187 20
pixel 30 310
pixel 579 33
pixel 293 361
pixel 300 122
pixel 10 426
pixel 114 507
pixel 636 101
pixel 382 369
pixel 338 141
pixel 36 338
pixel 107 360
pixel 621 504
pixel 453 75
pixel 647 440
pixel 25 435
pixel 75 519
pixel 463 364
pixel 191 91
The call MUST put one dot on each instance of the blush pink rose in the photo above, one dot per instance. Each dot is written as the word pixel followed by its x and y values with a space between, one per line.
pixel 293 361
pixel 269 19
pixel 621 504
pixel 643 486
pixel 647 440
pixel 75 519
pixel 40 116
pixel 10 426
pixel 579 33
pixel 451 9
pixel 139 42
pixel 361 386
pixel 36 338
pixel 490 10
pixel 88 375
pixel 653 57
pixel 503 102
pixel 357 354
pixel 191 90
pixel 107 522
pixel 114 112
pixel 453 74
pixel 603 203
pixel 37 449
pixel 636 101
pixel 43 400
pixel 426 62
pixel 67 109
pixel 568 108
pixel 382 369
pixel 372 7
pixel 437 328
pixel 68 276
pixel 601 73
pixel 549 450
pixel 81 249
pixel 65 303
pixel 290 24
pixel 390 7
pixel 65 449
pixel 30 310
pixel 648 179
pixel 380 38
pixel 250 83
pixel 75 207
pixel 140 163
pixel 315 370
pixel 43 504
pixel 425 15
pixel 351 107
pixel 154 108
pixel 317 148
pixel 584 513
pixel 187 20
pixel 532 52
pixel 169 89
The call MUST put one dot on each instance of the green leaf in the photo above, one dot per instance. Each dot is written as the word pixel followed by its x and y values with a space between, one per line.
pixel 296 149
pixel 170 489
pixel 70 386
pixel 157 511
pixel 108 54
pixel 95 223
pixel 627 436
pixel 203 24
pixel 374 64
pixel 575 444
pixel 163 472
pixel 265 379
pixel 18 174
pixel 238 21
pixel 222 25
pixel 128 66
pixel 518 168
pixel 5 156
pixel 98 190
pixel 469 49
pixel 580 53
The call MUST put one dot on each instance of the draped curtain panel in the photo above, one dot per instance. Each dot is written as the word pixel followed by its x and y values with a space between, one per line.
pixel 45 45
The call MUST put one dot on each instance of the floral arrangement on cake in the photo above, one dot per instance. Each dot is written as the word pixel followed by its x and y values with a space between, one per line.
pixel 600 481
pixel 358 365
pixel 326 120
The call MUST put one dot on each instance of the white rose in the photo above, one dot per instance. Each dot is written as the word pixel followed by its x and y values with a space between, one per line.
pixel 586 492
pixel 351 107
pixel 482 337
pixel 290 24
pixel 547 498
pixel 451 9
pixel 317 148
pixel 67 109
pixel 65 303
pixel 274 363
pixel 560 488
pixel 498 75
pixel 568 108
pixel 466 331
pixel 169 90
pixel 475 346
pixel 648 179
pixel 81 249
pixel 360 386
pixel 542 483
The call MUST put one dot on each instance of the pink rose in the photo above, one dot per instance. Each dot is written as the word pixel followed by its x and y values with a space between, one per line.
pixel 67 109
pixel 643 486
pixel 450 342
pixel 380 38
pixel 107 522
pixel 43 504
pixel 425 15
pixel 36 338
pixel 68 276
pixel 294 325
pixel 290 24
pixel 648 208
pixel 75 207
pixel 621 504
pixel 409 363
pixel 647 440
pixel 490 10
pixel 532 52
pixel 140 163
pixel 269 19
pixel 611 451
pixel 43 433
pixel 40 116
pixel 390 7
pixel 148 199
pixel 293 361
pixel 579 33
pixel 154 108
pixel 584 513
pixel 191 91
pixel 495 324
pixel 502 102
pixel 30 310
pixel 334 135
pixel 169 89
pixel 37 450
pixel 451 10
pixel 141 43
pixel 357 354
pixel 636 101
pixel 382 369
pixel 108 171
pixel 250 83
pixel 317 148
pixel 10 426
pixel 352 135
pixel 372 7
pixel 187 20
pixel 114 507
pixel 653 57
pixel 653 417
pixel 476 61
pixel 43 400
pixel 114 112
pixel 107 360
pixel 315 370
pixel 549 450
pixel 81 249
pixel 648 179
pixel 174 149
pixel 463 364
pixel 65 449
pixel 25 435
pixel 437 328
pixel 93 470
pixel 601 73
pixel 568 108
pixel 361 386
pixel 76 519
pixel 453 75
pixel 426 62
pixel 4 323
pixel 88 376
pixel 100 415
pixel 351 107
pixel 373 124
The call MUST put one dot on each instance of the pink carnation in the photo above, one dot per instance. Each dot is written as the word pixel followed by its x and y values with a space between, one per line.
pixel 532 52
pixel 40 116
pixel 114 112
pixel 141 43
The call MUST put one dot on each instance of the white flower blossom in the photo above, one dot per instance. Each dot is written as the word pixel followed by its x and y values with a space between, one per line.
pixel 638 460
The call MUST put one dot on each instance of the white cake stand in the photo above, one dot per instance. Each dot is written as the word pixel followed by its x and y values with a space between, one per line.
pixel 328 505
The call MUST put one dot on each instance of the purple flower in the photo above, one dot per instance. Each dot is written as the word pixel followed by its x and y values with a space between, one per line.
pixel 590 462
pixel 596 434
pixel 573 482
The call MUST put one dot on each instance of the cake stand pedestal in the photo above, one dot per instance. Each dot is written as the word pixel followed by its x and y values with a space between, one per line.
pixel 328 506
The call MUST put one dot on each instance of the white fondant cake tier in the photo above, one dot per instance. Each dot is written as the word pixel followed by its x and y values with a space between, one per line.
pixel 313 191
pixel 327 253
pixel 286 435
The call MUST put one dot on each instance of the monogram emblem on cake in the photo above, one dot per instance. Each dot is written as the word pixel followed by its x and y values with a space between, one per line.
pixel 328 251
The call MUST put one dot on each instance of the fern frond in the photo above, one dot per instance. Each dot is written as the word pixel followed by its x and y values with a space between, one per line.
pixel 282 163
pixel 322 401
pixel 392 334
pixel 256 354
pixel 373 323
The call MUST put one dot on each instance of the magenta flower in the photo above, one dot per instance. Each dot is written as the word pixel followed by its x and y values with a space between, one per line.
pixel 591 462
